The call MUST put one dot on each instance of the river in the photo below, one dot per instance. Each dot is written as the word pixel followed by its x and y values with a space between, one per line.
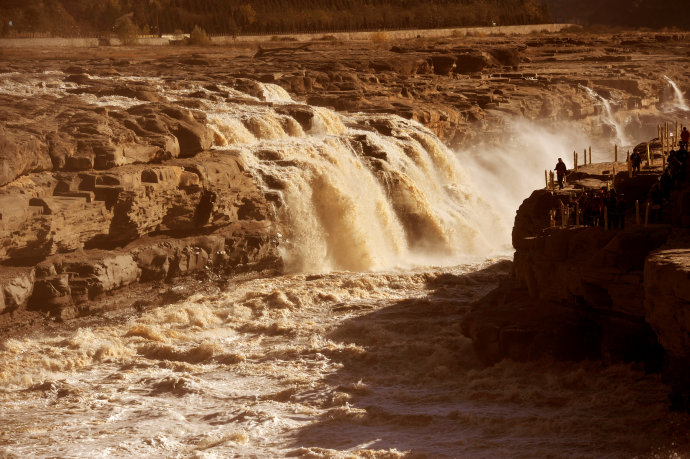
pixel 356 350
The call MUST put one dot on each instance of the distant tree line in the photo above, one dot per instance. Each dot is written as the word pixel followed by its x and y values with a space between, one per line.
pixel 82 17
pixel 655 14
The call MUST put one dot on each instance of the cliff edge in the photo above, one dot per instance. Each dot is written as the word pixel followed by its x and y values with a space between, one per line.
pixel 592 291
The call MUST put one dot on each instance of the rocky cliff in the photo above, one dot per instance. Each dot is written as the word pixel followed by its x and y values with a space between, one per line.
pixel 577 292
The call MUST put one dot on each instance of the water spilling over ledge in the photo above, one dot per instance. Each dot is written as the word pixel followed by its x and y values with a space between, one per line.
pixel 679 101
pixel 353 198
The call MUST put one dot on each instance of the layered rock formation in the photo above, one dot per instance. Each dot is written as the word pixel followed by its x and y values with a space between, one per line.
pixel 97 198
pixel 109 173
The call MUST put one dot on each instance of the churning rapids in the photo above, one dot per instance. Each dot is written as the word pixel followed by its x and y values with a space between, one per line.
pixel 357 351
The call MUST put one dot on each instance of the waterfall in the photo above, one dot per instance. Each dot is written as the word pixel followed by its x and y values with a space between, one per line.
pixel 352 192
pixel 359 192
pixel 680 101
pixel 609 118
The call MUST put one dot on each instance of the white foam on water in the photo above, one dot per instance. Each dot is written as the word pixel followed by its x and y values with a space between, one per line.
pixel 334 365
pixel 356 199
pixel 275 93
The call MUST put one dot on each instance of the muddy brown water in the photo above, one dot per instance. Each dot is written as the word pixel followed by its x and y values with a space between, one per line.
pixel 331 365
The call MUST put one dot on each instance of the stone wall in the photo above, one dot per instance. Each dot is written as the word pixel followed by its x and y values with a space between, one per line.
pixel 343 36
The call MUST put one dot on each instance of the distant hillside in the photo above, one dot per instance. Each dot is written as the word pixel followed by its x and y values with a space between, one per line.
pixel 629 13
pixel 260 16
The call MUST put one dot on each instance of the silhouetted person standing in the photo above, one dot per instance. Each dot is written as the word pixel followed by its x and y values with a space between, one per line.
pixel 684 138
pixel 656 199
pixel 560 172
pixel 636 160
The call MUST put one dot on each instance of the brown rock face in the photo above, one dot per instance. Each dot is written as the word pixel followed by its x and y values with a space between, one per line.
pixel 667 297
pixel 443 65
pixel 21 153
pixel 471 62
pixel 587 292
pixel 16 286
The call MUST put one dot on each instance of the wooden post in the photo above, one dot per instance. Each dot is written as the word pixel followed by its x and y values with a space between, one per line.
pixel 637 212
pixel 546 179
pixel 577 213
pixel 606 217
pixel 575 160
pixel 585 156
pixel 648 158
pixel 615 153
pixel 663 161
pixel 646 215
pixel 667 131
pixel 590 154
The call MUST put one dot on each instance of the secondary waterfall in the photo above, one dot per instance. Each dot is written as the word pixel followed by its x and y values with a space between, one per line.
pixel 680 100
pixel 358 192
pixel 608 117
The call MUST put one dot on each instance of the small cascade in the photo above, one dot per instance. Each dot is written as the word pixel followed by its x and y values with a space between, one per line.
pixel 680 100
pixel 274 93
pixel 609 118
pixel 326 122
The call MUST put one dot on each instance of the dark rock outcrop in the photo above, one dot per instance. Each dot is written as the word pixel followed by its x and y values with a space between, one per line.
pixel 581 292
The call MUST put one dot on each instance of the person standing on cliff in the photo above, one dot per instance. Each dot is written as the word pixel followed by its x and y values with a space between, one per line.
pixel 684 138
pixel 636 160
pixel 656 200
pixel 560 172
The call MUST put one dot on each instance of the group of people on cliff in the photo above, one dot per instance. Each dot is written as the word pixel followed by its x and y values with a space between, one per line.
pixel 674 175
pixel 607 207
pixel 602 207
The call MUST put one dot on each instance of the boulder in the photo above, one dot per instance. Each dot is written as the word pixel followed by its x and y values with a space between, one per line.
pixel 193 137
pixel 16 287
pixel 471 62
pixel 442 64
pixel 21 153
pixel 667 296
pixel 509 57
